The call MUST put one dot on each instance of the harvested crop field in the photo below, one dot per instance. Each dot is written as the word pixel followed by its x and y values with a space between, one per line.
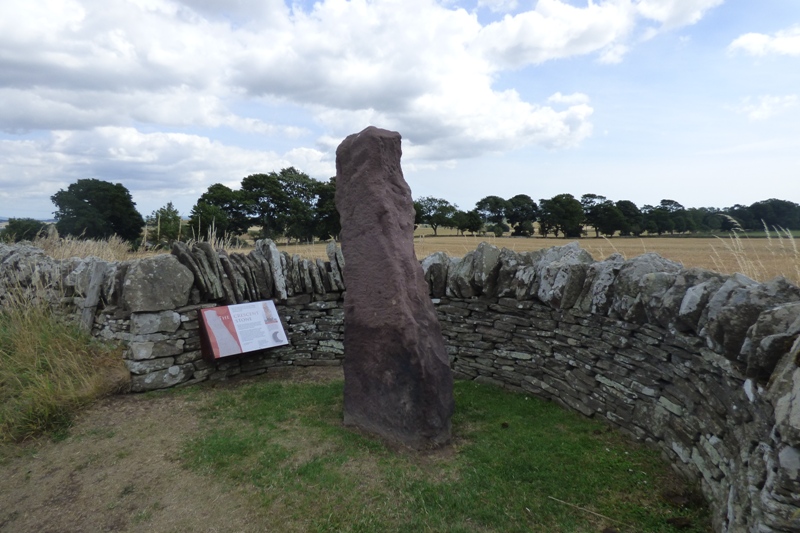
pixel 759 258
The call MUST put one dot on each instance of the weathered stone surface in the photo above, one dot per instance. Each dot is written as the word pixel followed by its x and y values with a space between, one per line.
pixel 298 280
pixel 325 279
pixel 693 312
pixel 784 392
pixel 525 282
pixel 337 279
pixel 510 263
pixel 305 272
pixel 736 307
pixel 561 281
pixel 435 268
pixel 239 262
pixel 146 323
pixel 149 365
pixel 316 279
pixel 628 285
pixel 460 278
pixel 25 266
pixel 769 339
pixel 149 349
pixel 269 250
pixel 156 284
pixel 486 266
pixel 263 272
pixel 79 277
pixel 286 267
pixel 162 379
pixel 597 294
pixel 237 282
pixel 398 381
pixel 653 288
pixel 184 254
pixel 208 258
pixel 665 309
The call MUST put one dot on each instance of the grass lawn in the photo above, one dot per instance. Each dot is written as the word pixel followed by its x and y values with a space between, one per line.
pixel 516 464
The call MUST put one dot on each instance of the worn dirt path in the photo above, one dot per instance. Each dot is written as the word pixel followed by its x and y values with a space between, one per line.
pixel 119 470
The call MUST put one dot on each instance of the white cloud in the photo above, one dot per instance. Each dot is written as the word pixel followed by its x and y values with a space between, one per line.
pixel 499 6
pixel 102 73
pixel 673 14
pixel 555 30
pixel 155 167
pixel 767 106
pixel 784 42
pixel 574 98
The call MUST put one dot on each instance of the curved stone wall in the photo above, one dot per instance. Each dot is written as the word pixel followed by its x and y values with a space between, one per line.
pixel 700 365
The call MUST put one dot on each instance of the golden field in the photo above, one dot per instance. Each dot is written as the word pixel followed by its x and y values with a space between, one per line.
pixel 759 258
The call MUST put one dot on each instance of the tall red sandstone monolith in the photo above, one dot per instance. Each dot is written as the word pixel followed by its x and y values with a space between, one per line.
pixel 397 378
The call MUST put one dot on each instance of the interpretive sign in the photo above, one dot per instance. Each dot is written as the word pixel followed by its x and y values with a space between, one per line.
pixel 242 328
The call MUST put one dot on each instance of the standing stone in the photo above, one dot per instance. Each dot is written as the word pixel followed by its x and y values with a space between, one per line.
pixel 398 382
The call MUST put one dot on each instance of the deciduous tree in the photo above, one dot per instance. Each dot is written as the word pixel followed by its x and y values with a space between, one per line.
pixel 492 209
pixel 208 221
pixel 282 203
pixel 234 203
pixel 608 219
pixel 97 209
pixel 561 214
pixel 326 217
pixel 521 212
pixel 590 204
pixel 436 212
pixel 468 221
pixel 634 219
pixel 22 229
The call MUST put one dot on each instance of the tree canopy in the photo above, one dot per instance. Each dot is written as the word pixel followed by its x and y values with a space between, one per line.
pixel 435 212
pixel 292 205
pixel 561 214
pixel 22 229
pixel 166 223
pixel 468 221
pixel 521 212
pixel 492 209
pixel 97 209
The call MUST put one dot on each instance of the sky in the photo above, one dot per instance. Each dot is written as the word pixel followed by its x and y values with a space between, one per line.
pixel 696 101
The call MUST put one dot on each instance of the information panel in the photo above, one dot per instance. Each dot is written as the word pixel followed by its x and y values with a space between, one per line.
pixel 242 328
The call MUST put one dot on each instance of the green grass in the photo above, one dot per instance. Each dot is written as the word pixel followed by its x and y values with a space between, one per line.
pixel 49 370
pixel 513 457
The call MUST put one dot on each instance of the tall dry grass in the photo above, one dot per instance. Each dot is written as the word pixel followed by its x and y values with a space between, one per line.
pixel 112 249
pixel 759 258
pixel 780 257
pixel 49 369
pixel 116 249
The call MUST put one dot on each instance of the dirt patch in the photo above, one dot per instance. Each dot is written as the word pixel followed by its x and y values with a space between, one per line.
pixel 119 470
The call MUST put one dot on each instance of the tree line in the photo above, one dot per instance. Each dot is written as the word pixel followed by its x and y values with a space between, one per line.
pixel 290 204
pixel 565 215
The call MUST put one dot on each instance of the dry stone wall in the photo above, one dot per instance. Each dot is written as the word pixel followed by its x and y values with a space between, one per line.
pixel 700 365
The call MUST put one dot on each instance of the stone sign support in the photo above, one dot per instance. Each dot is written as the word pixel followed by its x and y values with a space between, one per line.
pixel 398 382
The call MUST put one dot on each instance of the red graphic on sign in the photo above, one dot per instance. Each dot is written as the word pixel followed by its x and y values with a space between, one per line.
pixel 241 328
pixel 221 331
